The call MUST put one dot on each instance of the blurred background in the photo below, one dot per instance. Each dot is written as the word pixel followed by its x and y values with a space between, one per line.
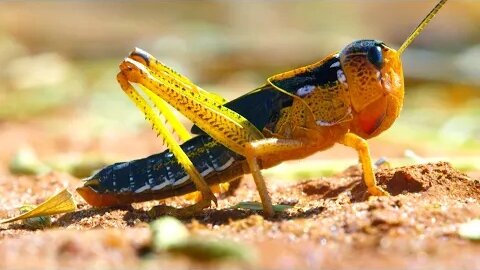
pixel 60 103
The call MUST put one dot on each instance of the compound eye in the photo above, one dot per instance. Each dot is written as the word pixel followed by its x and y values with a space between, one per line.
pixel 375 56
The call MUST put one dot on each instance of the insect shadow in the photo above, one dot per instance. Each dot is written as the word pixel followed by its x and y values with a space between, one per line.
pixel 75 217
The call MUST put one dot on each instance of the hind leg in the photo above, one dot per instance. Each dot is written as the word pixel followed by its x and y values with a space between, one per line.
pixel 162 130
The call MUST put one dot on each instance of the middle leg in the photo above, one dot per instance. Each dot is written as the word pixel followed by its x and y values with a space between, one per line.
pixel 261 148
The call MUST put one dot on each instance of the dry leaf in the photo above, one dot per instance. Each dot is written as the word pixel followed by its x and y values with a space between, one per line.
pixel 60 203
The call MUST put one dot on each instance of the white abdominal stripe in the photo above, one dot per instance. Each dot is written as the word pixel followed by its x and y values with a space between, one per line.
pixel 169 180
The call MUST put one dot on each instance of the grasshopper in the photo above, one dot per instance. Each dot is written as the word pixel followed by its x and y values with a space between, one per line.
pixel 347 98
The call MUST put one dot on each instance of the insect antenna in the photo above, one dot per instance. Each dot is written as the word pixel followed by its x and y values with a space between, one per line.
pixel 421 26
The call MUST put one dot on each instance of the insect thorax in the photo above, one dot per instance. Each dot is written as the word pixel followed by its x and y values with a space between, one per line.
pixel 323 93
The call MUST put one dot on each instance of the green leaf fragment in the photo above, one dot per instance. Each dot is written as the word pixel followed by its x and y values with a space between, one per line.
pixel 470 230
pixel 209 250
pixel 170 235
pixel 167 231
pixel 25 162
pixel 256 206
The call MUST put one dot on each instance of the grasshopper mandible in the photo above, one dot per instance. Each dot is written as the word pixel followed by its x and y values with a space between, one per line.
pixel 346 98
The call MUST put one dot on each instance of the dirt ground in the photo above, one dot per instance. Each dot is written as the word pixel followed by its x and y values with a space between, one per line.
pixel 59 97
pixel 331 226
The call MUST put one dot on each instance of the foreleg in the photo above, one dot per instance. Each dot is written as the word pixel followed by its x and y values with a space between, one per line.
pixel 361 146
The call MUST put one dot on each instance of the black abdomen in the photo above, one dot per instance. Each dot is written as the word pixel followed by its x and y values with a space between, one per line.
pixel 162 171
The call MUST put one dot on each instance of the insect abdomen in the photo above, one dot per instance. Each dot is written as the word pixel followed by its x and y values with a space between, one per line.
pixel 160 175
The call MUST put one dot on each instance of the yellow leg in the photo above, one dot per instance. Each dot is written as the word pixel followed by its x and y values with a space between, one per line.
pixel 266 147
pixel 184 135
pixel 361 146
pixel 172 120
pixel 224 125
pixel 160 71
pixel 261 186
pixel 162 130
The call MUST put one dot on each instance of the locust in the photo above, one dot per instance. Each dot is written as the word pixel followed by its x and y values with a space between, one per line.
pixel 346 98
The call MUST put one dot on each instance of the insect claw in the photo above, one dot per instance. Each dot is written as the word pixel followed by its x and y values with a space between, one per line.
pixel 377 191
